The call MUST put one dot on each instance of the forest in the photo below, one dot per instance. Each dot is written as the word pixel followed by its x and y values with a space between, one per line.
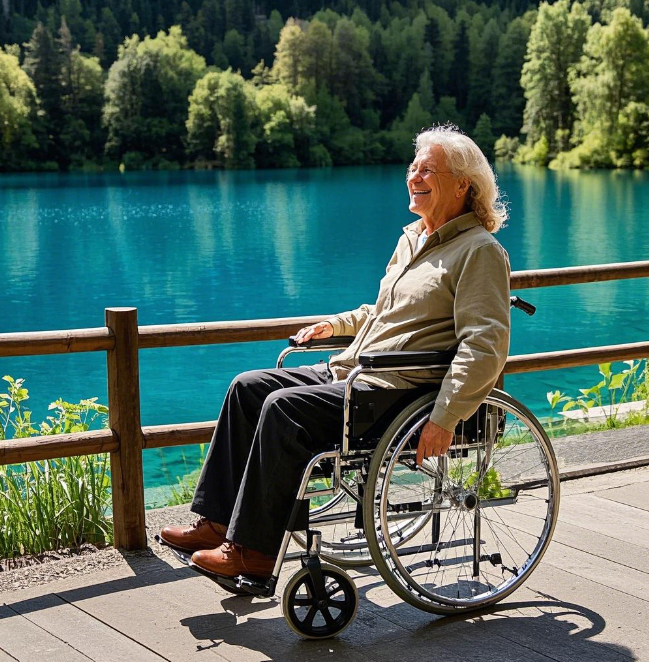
pixel 168 84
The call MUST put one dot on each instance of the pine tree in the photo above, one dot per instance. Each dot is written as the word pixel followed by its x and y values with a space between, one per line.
pixel 483 136
pixel 43 65
pixel 507 98
pixel 483 51
pixel 459 74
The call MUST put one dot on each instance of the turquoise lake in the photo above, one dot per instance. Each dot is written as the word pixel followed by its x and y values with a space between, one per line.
pixel 206 246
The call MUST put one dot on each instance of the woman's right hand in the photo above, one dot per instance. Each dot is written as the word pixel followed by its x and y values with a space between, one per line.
pixel 314 332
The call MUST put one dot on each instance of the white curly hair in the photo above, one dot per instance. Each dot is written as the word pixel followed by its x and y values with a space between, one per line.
pixel 465 159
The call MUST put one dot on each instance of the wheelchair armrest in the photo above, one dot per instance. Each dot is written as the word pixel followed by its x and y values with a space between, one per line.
pixel 335 342
pixel 404 360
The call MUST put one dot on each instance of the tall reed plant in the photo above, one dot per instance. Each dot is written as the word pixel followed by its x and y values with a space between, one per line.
pixel 53 504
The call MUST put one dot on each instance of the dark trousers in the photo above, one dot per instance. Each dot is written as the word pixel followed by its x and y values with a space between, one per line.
pixel 271 424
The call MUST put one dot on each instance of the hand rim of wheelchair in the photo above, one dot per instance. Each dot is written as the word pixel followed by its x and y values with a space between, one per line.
pixel 386 556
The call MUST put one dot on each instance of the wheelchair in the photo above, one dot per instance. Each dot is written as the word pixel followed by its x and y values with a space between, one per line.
pixel 458 533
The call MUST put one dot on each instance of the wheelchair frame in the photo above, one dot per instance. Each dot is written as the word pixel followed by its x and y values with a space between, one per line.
pixel 318 587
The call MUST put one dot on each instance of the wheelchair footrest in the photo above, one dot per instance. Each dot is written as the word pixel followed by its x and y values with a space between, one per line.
pixel 240 584
pixel 183 556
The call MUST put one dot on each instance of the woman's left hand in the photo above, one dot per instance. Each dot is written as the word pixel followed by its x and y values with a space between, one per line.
pixel 433 441
pixel 314 332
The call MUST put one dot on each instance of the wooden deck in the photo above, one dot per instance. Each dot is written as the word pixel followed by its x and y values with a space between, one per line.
pixel 589 600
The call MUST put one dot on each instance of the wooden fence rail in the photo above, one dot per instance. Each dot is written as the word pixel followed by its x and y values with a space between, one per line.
pixel 122 339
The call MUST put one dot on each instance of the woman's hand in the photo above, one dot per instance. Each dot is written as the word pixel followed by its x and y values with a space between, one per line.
pixel 314 332
pixel 433 441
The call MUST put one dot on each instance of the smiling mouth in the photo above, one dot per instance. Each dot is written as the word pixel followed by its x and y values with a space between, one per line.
pixel 420 192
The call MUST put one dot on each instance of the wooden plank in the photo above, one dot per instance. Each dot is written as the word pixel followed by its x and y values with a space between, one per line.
pixel 124 421
pixel 27 642
pixel 214 333
pixel 612 519
pixel 57 445
pixel 570 358
pixel 584 539
pixel 636 496
pixel 180 434
pixel 173 611
pixel 34 343
pixel 568 627
pixel 591 613
pixel 590 273
pixel 85 634
pixel 604 482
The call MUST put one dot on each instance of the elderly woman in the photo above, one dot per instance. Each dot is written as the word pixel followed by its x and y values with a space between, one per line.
pixel 447 285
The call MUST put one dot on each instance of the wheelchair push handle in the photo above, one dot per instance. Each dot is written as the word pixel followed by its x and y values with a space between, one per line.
pixel 521 304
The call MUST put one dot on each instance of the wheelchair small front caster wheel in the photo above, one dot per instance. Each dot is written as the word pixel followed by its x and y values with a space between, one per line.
pixel 316 618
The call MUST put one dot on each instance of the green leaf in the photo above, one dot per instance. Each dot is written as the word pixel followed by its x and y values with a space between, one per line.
pixel 553 398
pixel 605 369
pixel 617 381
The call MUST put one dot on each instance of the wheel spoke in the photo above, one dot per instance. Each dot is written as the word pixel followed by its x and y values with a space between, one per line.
pixel 309 618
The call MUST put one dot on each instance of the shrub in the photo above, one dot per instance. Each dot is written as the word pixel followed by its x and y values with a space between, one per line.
pixel 506 148
pixel 53 504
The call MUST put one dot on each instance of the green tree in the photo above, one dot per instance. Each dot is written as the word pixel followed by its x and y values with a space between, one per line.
pixel 439 37
pixel 507 98
pixel 446 111
pixel 352 75
pixel 287 128
pixel 610 86
pixel 289 65
pixel 555 45
pixel 147 93
pixel 482 52
pixel 612 73
pixel 483 136
pixel 111 36
pixel 234 48
pixel 458 84
pixel 82 134
pixel 43 64
pixel 414 119
pixel 222 113
pixel 17 107
pixel 317 49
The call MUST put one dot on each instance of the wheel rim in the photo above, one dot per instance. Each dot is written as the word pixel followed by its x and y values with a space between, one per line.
pixel 313 619
pixel 509 504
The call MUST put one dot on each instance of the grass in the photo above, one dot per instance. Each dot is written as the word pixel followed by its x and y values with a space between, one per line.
pixel 56 504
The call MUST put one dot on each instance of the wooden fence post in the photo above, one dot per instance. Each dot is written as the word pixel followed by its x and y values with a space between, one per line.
pixel 124 420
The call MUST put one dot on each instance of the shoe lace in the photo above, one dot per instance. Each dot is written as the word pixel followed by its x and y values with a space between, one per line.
pixel 199 522
pixel 228 548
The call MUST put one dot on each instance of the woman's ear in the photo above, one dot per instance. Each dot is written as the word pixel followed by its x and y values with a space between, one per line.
pixel 463 186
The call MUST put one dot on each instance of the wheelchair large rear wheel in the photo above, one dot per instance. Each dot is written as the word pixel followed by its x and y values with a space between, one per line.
pixel 344 542
pixel 494 500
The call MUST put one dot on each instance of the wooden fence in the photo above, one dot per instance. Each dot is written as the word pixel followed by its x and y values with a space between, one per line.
pixel 121 338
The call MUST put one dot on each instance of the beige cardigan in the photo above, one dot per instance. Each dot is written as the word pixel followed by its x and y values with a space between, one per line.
pixel 454 292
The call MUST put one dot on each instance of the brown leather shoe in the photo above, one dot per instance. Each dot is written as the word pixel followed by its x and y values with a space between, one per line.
pixel 231 560
pixel 201 534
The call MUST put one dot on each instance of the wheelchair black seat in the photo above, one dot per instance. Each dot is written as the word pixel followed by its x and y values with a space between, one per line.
pixel 372 411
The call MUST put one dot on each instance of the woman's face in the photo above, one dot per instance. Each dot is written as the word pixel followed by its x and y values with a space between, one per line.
pixel 435 194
